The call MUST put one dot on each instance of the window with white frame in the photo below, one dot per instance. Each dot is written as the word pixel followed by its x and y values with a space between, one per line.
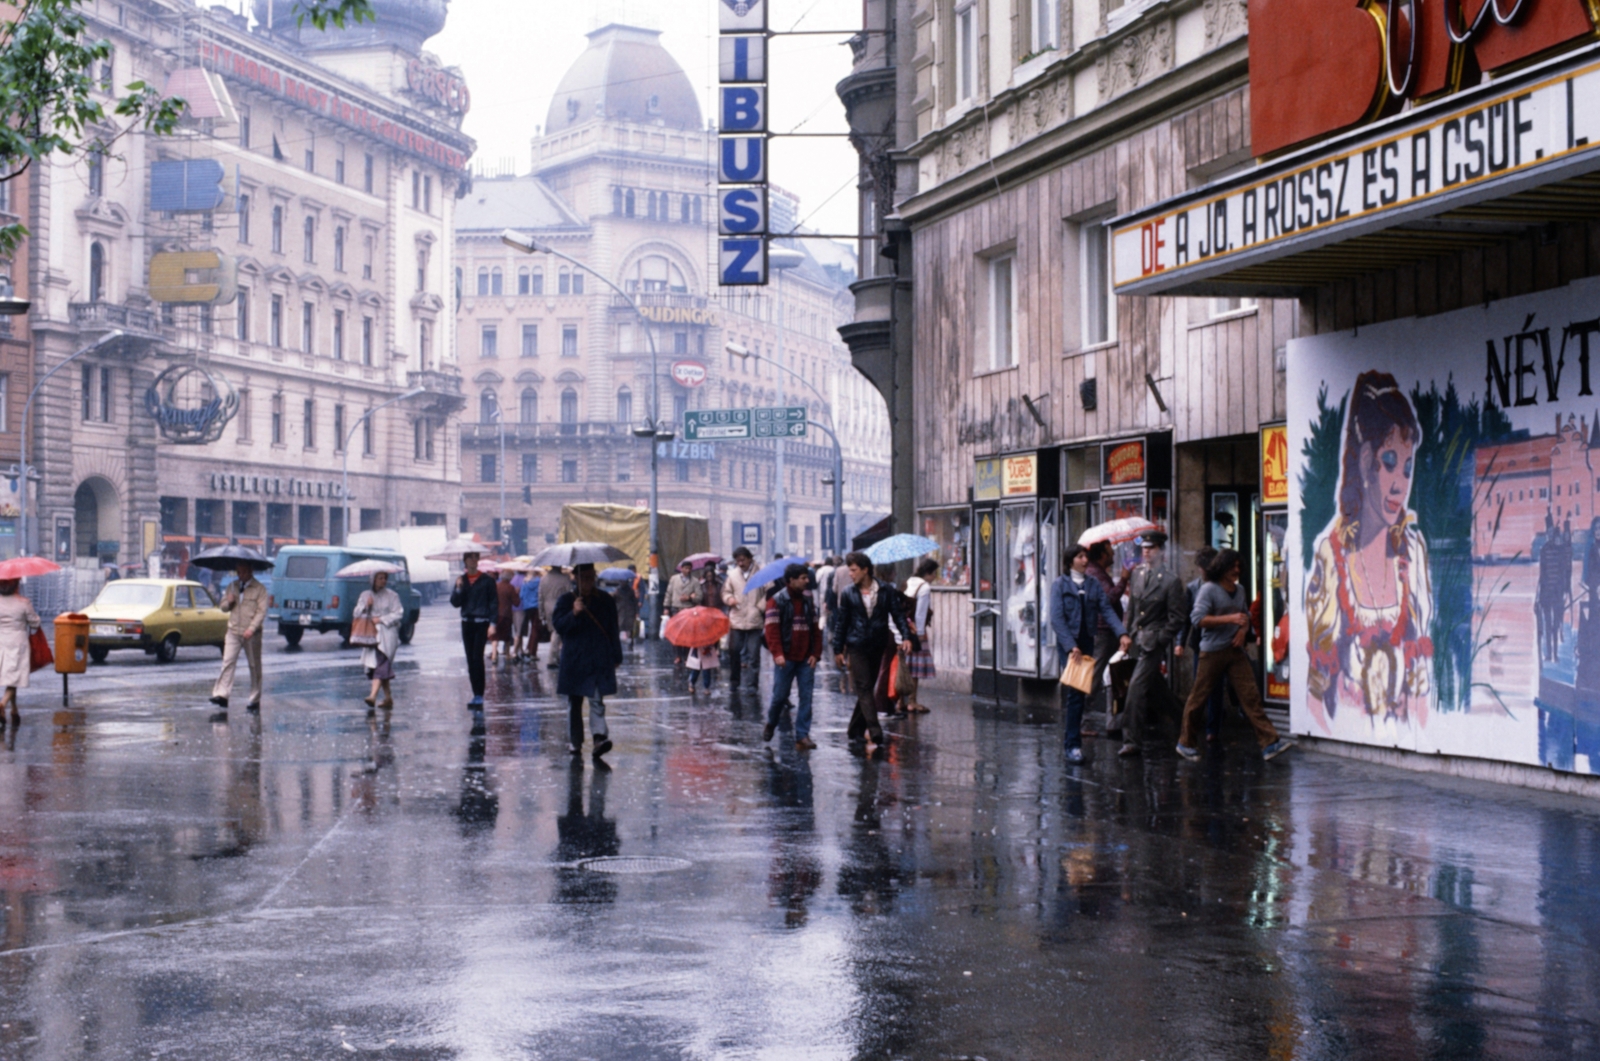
pixel 1223 307
pixel 1002 313
pixel 1046 25
pixel 1099 307
pixel 966 46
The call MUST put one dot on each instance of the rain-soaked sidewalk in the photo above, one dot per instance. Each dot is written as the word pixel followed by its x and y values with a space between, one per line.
pixel 312 886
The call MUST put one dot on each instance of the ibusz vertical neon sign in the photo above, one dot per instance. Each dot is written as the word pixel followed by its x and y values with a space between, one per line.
pixel 742 145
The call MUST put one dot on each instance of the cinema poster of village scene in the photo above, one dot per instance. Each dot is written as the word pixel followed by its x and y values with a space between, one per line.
pixel 1444 532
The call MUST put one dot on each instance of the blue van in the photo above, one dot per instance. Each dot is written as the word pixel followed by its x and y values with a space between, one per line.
pixel 307 596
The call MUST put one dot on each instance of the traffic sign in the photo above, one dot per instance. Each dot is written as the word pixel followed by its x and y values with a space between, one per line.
pixel 765 422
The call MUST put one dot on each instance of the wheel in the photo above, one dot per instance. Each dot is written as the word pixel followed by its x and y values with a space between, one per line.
pixel 292 634
pixel 406 632
pixel 98 653
pixel 167 651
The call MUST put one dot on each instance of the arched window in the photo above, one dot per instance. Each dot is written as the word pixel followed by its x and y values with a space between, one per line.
pixel 524 286
pixel 628 201
pixel 483 281
pixel 97 271
pixel 530 406
pixel 655 273
pixel 497 283
pixel 569 406
pixel 616 200
pixel 488 405
pixel 624 406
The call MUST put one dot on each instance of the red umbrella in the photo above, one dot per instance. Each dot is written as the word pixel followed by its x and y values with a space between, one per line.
pixel 26 567
pixel 697 627
pixel 698 560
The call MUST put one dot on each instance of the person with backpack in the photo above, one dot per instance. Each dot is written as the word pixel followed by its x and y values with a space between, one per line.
pixel 794 637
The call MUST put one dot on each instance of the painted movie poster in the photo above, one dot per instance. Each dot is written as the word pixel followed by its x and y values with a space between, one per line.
pixel 1444 534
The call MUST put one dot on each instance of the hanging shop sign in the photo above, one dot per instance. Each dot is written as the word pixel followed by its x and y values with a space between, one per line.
pixel 1526 129
pixel 742 214
pixel 1124 463
pixel 190 405
pixel 1019 475
pixel 688 373
pixel 986 480
pixel 1275 464
pixel 322 99
pixel 193 277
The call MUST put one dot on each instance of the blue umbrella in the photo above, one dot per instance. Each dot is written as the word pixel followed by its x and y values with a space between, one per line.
pixel 899 547
pixel 616 574
pixel 772 572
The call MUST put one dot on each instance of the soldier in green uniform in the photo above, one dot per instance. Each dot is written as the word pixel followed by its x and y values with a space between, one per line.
pixel 1157 612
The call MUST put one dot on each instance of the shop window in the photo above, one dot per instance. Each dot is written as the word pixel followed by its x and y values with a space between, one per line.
pixel 1080 469
pixel 208 517
pixel 312 519
pixel 174 515
pixel 952 529
pixel 280 520
pixel 247 519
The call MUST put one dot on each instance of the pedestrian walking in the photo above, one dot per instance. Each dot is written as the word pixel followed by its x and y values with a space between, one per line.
pixel 381 605
pixel 555 584
pixel 747 615
pixel 518 618
pixel 793 633
pixel 702 664
pixel 824 591
pixel 586 619
pixel 475 594
pixel 1101 559
pixel 246 604
pixel 919 602
pixel 627 599
pixel 841 582
pixel 1222 615
pixel 506 600
pixel 18 621
pixel 1078 605
pixel 1156 618
pixel 683 591
pixel 1191 642
pixel 866 630
pixel 530 632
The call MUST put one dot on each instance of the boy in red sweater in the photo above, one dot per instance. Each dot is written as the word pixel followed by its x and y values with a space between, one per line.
pixel 794 637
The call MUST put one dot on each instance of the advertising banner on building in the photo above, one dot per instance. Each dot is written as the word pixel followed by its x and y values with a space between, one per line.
pixel 1444 537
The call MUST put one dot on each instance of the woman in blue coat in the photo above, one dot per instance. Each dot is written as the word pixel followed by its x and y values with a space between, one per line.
pixel 586 619
pixel 1076 604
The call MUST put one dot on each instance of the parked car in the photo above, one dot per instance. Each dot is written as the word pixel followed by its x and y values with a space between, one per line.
pixel 156 615
pixel 307 596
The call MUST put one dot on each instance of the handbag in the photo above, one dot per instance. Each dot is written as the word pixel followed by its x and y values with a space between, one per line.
pixel 39 654
pixel 364 631
pixel 1079 674
pixel 900 679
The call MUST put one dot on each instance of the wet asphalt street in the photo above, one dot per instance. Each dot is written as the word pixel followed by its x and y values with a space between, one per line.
pixel 315 886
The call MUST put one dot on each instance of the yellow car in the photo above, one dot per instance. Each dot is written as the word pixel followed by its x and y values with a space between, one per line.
pixel 155 614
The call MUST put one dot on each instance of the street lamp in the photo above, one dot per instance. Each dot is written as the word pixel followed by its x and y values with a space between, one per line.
pixel 27 410
pixel 654 431
pixel 351 434
pixel 10 304
pixel 499 420
pixel 836 480
pixel 782 259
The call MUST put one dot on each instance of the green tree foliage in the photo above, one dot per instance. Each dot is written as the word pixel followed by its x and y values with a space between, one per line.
pixel 48 61
pixel 1319 474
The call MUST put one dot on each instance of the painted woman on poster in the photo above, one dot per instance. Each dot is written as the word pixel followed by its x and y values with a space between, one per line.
pixel 1369 598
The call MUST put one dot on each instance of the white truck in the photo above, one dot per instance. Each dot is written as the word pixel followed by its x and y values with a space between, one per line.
pixel 431 578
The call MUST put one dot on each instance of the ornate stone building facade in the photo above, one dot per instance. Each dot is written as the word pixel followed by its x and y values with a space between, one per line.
pixel 557 367
pixel 340 168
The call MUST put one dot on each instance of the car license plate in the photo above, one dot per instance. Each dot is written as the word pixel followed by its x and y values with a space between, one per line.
pixel 305 620
pixel 103 629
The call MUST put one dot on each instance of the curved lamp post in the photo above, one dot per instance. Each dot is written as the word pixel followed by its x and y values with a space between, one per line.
pixel 345 443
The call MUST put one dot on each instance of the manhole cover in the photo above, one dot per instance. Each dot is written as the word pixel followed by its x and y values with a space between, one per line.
pixel 635 864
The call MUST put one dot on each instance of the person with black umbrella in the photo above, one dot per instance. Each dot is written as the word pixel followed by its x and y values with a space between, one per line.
pixel 590 655
pixel 246 605
pixel 475 594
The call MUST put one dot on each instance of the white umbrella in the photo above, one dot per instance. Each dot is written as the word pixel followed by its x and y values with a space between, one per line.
pixel 368 568
pixel 456 548
pixel 571 554
pixel 1116 531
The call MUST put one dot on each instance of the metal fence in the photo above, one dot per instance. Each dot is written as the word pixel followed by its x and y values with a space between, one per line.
pixel 68 590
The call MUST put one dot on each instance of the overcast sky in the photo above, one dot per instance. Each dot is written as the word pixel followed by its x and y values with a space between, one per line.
pixel 513 53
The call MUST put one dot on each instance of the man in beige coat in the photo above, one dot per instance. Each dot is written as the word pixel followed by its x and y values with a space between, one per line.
pixel 246 605
pixel 554 583
pixel 747 612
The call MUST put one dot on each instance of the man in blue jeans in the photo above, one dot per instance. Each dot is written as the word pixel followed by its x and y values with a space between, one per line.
pixel 794 637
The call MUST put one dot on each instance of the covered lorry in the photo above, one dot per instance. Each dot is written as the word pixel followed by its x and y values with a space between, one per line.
pixel 431 578
pixel 627 528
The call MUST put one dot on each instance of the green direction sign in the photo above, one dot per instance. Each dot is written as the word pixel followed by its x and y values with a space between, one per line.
pixel 703 425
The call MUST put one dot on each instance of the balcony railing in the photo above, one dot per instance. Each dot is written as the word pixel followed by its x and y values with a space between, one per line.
pixel 435 382
pixel 489 434
pixel 108 315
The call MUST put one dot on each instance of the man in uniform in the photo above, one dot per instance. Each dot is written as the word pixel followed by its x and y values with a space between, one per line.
pixel 1156 617
pixel 246 605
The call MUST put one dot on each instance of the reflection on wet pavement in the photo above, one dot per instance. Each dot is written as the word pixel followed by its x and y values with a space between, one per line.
pixel 312 883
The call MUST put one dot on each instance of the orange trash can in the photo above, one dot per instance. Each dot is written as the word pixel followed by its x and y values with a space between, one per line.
pixel 72 643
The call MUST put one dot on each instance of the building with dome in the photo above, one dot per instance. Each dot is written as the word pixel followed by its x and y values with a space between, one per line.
pixel 557 368
pixel 238 419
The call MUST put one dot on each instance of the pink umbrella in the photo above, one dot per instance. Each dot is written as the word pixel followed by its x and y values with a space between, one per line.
pixel 26 567
pixel 1116 531
pixel 698 560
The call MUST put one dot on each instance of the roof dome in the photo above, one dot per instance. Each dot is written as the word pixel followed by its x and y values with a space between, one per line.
pixel 406 23
pixel 625 75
